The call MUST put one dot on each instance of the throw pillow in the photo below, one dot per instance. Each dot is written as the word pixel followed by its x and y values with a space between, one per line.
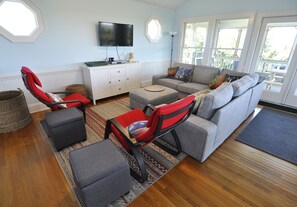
pixel 199 96
pixel 172 71
pixel 183 74
pixel 231 78
pixel 137 128
pixel 217 81
pixel 56 98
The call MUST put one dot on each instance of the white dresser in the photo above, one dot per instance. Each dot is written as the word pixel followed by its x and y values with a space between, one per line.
pixel 110 80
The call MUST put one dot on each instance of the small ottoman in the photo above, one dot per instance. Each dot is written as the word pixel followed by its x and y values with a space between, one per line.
pixel 140 97
pixel 100 172
pixel 65 127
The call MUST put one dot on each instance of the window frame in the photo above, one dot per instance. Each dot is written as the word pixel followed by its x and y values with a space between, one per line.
pixel 147 32
pixel 35 34
pixel 212 32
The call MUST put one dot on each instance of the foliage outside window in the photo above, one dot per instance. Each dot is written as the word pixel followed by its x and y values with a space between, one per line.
pixel 20 20
pixel 194 42
pixel 153 30
pixel 220 46
pixel 277 48
pixel 229 44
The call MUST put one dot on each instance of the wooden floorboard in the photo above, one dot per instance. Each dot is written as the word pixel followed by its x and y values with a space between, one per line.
pixel 234 175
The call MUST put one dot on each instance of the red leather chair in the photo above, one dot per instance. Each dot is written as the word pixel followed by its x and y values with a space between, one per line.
pixel 163 119
pixel 31 82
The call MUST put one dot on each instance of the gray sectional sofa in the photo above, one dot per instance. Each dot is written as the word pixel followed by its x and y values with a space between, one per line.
pixel 200 79
pixel 220 112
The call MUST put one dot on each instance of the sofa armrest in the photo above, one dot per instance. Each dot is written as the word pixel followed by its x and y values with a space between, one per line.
pixel 157 77
pixel 197 137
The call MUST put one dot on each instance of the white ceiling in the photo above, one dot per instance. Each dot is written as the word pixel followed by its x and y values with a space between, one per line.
pixel 171 4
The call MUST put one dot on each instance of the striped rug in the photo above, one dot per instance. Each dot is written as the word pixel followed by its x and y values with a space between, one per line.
pixel 158 162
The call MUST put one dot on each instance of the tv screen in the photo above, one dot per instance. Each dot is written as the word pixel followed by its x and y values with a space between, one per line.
pixel 114 34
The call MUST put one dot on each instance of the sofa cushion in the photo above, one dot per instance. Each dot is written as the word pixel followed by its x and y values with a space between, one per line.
pixel 215 100
pixel 204 74
pixel 232 73
pixel 242 85
pixel 255 77
pixel 191 87
pixel 183 65
pixel 171 83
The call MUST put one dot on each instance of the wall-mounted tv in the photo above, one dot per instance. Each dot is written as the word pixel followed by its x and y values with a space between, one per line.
pixel 115 34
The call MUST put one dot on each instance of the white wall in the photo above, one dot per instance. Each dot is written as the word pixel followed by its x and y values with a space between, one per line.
pixel 70 35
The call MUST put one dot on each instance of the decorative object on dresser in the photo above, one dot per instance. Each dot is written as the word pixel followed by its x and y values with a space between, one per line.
pixel 110 80
pixel 14 111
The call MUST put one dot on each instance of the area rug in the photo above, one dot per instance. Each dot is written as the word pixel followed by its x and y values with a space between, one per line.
pixel 274 132
pixel 158 161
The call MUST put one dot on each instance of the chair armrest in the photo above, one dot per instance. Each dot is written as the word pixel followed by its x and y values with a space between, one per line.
pixel 149 106
pixel 157 77
pixel 124 132
pixel 62 92
pixel 65 102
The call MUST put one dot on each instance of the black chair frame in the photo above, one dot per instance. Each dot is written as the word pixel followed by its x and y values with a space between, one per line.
pixel 134 144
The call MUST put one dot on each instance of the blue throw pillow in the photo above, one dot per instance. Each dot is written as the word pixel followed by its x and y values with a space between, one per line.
pixel 137 128
pixel 183 74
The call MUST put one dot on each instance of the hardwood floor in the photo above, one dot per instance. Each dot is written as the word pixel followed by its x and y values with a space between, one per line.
pixel 234 175
pixel 29 172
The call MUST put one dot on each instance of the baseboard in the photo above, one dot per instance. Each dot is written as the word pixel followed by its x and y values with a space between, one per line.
pixel 279 107
pixel 36 107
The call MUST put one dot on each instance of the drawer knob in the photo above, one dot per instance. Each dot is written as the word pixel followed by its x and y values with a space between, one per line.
pixel 119 80
pixel 119 88
pixel 109 81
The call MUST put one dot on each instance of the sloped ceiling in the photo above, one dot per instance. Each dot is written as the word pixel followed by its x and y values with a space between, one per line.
pixel 171 4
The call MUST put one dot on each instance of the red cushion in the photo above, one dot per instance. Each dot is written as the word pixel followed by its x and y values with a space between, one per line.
pixel 29 72
pixel 75 96
pixel 125 120
pixel 164 110
pixel 137 115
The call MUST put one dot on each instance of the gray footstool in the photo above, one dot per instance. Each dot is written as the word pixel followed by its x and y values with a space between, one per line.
pixel 65 127
pixel 140 97
pixel 100 172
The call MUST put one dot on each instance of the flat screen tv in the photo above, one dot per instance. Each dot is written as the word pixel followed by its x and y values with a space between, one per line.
pixel 115 34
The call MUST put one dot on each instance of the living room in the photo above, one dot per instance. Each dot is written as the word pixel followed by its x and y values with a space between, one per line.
pixel 234 175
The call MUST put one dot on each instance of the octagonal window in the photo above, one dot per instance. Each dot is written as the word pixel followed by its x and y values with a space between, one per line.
pixel 153 30
pixel 20 20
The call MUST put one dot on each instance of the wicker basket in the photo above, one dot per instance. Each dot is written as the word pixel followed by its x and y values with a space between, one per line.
pixel 14 111
pixel 78 88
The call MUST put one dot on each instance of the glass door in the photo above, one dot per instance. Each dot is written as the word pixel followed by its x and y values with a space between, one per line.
pixel 291 99
pixel 276 47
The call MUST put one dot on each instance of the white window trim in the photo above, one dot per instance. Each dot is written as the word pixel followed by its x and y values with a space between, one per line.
pixel 146 29
pixel 35 34
pixel 211 34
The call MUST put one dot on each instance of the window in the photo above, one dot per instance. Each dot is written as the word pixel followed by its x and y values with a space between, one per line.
pixel 194 42
pixel 153 30
pixel 20 20
pixel 216 42
pixel 229 43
